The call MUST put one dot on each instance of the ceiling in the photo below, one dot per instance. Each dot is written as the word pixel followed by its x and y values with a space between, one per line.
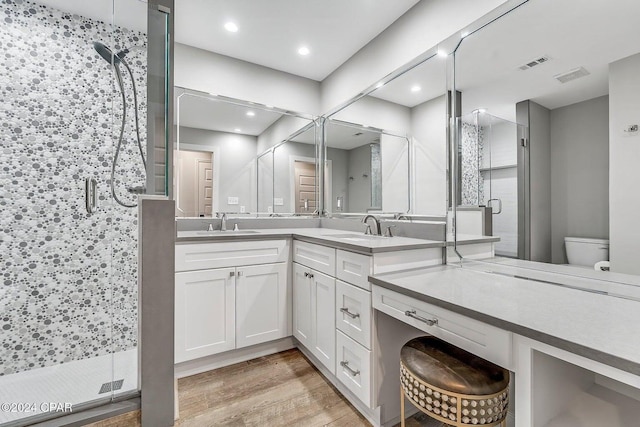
pixel 270 32
pixel 430 77
pixel 130 14
pixel 573 33
pixel 203 112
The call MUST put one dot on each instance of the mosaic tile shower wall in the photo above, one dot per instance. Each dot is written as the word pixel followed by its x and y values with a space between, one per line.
pixel 69 279
pixel 472 154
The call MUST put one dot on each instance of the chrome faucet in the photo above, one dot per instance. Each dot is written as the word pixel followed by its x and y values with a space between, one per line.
pixel 223 223
pixel 377 232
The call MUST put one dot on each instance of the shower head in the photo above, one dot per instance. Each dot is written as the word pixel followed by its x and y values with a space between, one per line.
pixel 108 55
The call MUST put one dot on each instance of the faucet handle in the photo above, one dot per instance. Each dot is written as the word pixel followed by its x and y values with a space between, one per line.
pixel 387 232
pixel 210 228
pixel 235 227
pixel 367 230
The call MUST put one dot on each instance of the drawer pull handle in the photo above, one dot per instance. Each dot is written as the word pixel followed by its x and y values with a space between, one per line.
pixel 345 365
pixel 346 311
pixel 311 275
pixel 412 313
pixel 306 274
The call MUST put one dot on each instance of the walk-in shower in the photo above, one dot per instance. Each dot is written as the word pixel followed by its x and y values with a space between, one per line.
pixel 69 289
pixel 115 60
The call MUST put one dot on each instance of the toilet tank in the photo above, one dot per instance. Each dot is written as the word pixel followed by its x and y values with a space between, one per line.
pixel 586 252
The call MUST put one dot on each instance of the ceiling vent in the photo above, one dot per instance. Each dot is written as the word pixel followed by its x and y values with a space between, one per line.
pixel 576 73
pixel 534 62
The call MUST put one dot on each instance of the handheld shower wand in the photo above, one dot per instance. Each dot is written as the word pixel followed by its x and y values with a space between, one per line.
pixel 115 60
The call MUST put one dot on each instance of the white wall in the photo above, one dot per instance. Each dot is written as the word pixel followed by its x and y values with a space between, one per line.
pixel 378 113
pixel 281 130
pixel 579 173
pixel 360 185
pixel 421 28
pixel 429 131
pixel 624 165
pixel 221 75
pixel 339 179
pixel 233 165
pixel 395 168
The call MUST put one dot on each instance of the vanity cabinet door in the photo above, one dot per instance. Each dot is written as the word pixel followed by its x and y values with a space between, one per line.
pixel 262 306
pixel 205 313
pixel 302 328
pixel 324 319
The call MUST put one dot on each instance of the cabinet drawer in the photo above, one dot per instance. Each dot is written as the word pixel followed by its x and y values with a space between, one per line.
pixel 320 258
pixel 354 268
pixel 200 256
pixel 353 367
pixel 353 312
pixel 483 340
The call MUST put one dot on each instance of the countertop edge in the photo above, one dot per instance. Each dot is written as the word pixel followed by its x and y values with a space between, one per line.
pixel 311 239
pixel 581 350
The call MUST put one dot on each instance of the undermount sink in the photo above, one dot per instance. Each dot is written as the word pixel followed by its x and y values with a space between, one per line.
pixel 218 232
pixel 356 237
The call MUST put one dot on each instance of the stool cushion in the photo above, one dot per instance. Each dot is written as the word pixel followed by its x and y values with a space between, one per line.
pixel 451 368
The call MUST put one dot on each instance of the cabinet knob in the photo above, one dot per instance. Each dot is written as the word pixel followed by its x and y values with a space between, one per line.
pixel 232 273
pixel 239 273
pixel 306 274
pixel 311 275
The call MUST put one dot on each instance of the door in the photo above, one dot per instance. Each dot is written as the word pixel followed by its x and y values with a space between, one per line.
pixel 205 187
pixel 324 318
pixel 305 186
pixel 302 327
pixel 204 316
pixel 193 184
pixel 261 304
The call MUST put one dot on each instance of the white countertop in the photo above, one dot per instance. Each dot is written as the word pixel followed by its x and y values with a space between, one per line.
pixel 352 240
pixel 599 326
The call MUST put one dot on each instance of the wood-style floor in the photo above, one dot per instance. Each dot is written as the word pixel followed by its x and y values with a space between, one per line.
pixel 282 389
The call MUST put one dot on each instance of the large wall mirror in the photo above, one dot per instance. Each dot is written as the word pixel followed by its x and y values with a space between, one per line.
pixel 403 118
pixel 367 170
pixel 218 168
pixel 548 136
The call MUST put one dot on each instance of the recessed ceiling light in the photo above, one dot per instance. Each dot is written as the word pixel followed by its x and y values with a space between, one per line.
pixel 269 106
pixel 304 51
pixel 465 34
pixel 237 130
pixel 379 85
pixel 416 88
pixel 479 110
pixel 250 113
pixel 442 53
pixel 231 27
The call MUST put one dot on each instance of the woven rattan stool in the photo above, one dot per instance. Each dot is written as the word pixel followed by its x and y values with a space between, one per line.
pixel 452 385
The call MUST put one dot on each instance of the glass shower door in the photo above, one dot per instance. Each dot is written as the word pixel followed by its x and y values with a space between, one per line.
pixel 68 301
pixel 489 171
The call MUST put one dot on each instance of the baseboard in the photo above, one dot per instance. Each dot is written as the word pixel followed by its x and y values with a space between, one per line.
pixel 204 364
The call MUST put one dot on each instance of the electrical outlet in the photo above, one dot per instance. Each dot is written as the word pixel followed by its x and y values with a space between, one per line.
pixel 232 201
pixel 278 201
pixel 242 210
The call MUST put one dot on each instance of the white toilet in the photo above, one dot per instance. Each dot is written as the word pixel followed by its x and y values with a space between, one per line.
pixel 586 252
